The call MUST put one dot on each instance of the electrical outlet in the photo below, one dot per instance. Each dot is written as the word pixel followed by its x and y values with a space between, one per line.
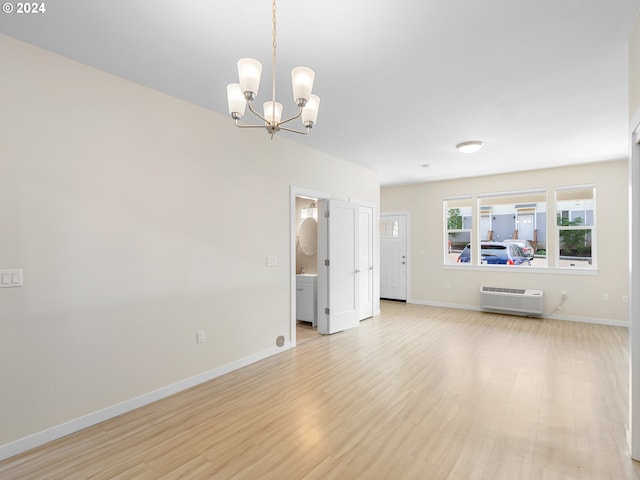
pixel 448 284
pixel 605 297
pixel 564 294
pixel 200 336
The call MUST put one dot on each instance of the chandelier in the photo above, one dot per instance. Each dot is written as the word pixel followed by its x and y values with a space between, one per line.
pixel 239 95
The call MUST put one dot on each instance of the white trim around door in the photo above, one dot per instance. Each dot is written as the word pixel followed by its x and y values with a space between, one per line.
pixel 634 285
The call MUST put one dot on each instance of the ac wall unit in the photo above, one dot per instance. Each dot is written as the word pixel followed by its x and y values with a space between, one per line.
pixel 516 301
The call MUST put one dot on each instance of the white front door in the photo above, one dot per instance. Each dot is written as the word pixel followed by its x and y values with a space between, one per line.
pixel 365 261
pixel 525 227
pixel 393 257
pixel 338 303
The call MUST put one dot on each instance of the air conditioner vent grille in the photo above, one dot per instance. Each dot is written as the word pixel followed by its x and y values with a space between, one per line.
pixel 519 291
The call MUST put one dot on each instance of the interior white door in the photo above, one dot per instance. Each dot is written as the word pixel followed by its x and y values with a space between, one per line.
pixel 393 257
pixel 365 261
pixel 337 278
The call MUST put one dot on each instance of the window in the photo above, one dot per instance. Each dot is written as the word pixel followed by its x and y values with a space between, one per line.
pixel 518 218
pixel 459 219
pixel 575 223
pixel 389 229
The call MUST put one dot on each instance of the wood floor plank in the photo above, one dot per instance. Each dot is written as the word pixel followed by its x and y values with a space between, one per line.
pixel 418 392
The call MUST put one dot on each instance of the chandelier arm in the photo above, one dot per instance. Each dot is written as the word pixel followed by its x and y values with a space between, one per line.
pixel 295 131
pixel 239 125
pixel 250 103
pixel 292 118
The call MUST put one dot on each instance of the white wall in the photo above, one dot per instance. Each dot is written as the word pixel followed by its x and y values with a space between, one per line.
pixel 634 68
pixel 429 278
pixel 634 267
pixel 138 219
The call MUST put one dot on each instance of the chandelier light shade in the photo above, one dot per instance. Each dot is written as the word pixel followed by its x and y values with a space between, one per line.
pixel 249 72
pixel 241 94
pixel 310 111
pixel 302 83
pixel 236 100
pixel 272 112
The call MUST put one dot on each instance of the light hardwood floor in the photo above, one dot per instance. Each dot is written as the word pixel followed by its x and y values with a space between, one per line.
pixel 418 392
pixel 305 332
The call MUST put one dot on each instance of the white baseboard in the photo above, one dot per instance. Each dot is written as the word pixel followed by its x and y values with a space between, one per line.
pixel 77 424
pixel 597 321
pixel 569 318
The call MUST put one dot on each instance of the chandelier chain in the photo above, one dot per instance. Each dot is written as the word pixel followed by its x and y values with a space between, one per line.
pixel 274 44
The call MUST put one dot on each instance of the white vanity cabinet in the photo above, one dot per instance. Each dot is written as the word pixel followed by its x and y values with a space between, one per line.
pixel 306 298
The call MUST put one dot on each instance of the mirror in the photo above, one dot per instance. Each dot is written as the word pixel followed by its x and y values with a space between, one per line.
pixel 308 236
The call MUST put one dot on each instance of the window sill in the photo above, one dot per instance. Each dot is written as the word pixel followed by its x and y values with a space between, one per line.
pixel 524 269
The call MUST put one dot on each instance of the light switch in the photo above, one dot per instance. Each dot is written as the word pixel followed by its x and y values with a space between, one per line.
pixel 272 261
pixel 11 278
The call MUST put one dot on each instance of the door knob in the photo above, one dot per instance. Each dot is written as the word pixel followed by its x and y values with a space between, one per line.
pixel 357 271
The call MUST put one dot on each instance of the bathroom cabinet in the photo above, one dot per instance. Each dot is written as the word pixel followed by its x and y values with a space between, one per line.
pixel 306 298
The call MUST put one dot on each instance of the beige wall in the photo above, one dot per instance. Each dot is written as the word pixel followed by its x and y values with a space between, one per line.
pixel 138 219
pixel 634 68
pixel 429 279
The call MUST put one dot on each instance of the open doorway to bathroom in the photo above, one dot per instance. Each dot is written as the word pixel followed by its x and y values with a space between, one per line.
pixel 304 263
pixel 306 268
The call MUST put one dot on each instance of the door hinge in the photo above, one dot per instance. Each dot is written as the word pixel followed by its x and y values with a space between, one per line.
pixel 326 310
pixel 326 263
pixel 326 214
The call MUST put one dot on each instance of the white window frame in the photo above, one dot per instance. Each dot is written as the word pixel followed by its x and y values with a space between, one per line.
pixel 445 207
pixel 592 227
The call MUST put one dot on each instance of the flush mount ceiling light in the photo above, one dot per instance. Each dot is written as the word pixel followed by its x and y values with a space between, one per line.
pixel 239 95
pixel 471 146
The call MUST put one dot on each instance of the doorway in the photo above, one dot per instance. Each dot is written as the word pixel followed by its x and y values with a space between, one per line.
pixel 333 276
pixel 305 209
pixel 394 259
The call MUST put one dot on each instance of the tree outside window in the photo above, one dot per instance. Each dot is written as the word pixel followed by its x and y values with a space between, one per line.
pixel 575 221
pixel 458 227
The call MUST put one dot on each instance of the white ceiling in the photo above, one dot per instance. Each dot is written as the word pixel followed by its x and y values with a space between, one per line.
pixel 542 83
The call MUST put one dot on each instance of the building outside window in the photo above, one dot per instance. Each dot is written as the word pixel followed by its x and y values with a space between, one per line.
pixel 516 217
